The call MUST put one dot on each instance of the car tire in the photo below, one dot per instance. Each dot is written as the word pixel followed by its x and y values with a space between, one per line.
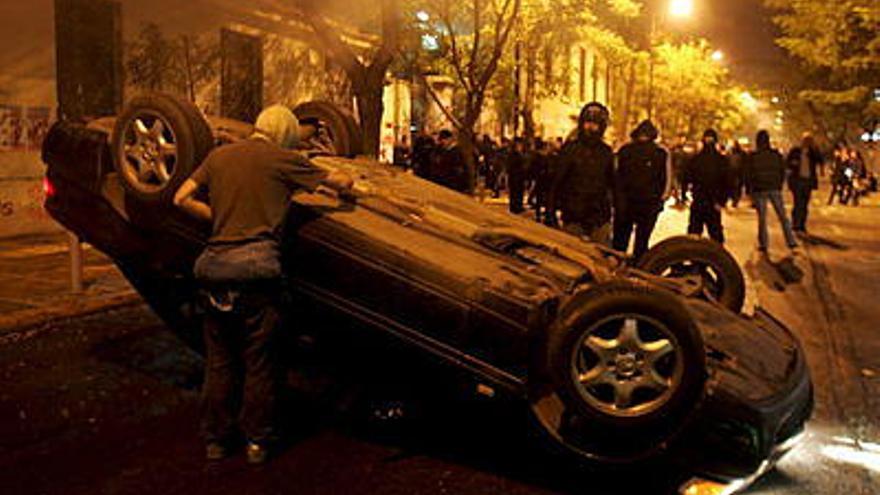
pixel 722 277
pixel 663 370
pixel 158 141
pixel 344 129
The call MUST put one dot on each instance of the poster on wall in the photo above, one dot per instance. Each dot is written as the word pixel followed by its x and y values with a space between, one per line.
pixel 23 128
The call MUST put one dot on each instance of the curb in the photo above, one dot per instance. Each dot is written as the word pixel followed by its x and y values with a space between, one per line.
pixel 24 319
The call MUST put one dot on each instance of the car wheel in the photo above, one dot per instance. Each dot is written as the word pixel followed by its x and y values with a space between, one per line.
pixel 704 261
pixel 342 128
pixel 624 368
pixel 158 140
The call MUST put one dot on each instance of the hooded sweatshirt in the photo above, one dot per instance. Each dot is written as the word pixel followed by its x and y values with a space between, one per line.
pixel 643 172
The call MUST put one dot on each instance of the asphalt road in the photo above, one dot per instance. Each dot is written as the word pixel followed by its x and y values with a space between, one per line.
pixel 108 404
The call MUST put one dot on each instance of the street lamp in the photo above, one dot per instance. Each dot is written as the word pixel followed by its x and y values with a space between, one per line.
pixel 681 8
pixel 423 16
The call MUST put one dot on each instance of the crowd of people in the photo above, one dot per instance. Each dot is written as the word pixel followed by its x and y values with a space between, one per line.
pixel 583 186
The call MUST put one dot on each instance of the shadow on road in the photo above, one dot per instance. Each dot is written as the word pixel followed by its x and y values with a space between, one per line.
pixel 776 274
pixel 410 409
pixel 815 240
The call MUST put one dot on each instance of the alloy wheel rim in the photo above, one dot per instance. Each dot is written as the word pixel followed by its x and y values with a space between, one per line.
pixel 149 152
pixel 627 365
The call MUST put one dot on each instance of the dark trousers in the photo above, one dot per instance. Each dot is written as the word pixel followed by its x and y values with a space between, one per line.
pixel 801 191
pixel 240 372
pixel 623 227
pixel 704 214
pixel 517 195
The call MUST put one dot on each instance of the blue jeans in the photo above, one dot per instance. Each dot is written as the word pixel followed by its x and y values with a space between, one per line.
pixel 775 198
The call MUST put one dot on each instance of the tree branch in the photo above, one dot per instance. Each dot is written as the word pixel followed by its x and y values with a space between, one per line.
pixel 448 113
pixel 332 44
pixel 446 19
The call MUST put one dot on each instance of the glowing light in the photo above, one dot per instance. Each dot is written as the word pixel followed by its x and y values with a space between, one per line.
pixel 858 453
pixel 748 100
pixel 430 43
pixel 775 100
pixel 681 8
pixel 48 187
pixel 718 55
pixel 423 16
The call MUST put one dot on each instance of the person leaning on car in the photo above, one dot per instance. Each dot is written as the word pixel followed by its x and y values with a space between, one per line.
pixel 250 183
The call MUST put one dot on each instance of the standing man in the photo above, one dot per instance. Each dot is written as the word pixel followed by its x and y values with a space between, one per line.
pixel 401 157
pixel 541 175
pixel 422 154
pixel 764 176
pixel 642 184
pixel 679 165
pixel 708 177
pixel 583 186
pixel 250 183
pixel 516 176
pixel 737 171
pixel 447 166
pixel 802 179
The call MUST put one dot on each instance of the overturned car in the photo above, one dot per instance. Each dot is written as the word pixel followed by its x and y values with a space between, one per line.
pixel 618 360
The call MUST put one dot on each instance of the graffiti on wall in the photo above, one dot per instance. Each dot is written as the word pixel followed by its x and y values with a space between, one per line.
pixel 23 128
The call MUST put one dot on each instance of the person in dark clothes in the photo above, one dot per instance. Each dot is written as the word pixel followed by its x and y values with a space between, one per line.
pixel 802 179
pixel 708 178
pixel 764 176
pixel 516 176
pixel 642 182
pixel 448 166
pixel 583 187
pixel 541 176
pixel 737 160
pixel 250 183
pixel 680 159
pixel 402 153
pixel 486 150
pixel 422 154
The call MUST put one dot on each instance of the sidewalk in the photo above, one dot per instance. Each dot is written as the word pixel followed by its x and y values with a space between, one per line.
pixel 35 285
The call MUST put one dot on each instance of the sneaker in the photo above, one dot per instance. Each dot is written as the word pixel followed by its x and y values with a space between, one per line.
pixel 216 451
pixel 256 453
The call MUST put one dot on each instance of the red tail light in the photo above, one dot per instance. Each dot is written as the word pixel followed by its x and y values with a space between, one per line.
pixel 48 188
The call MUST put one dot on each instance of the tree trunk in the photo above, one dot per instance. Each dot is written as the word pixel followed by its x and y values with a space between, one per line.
pixel 368 97
pixel 628 102
pixel 528 110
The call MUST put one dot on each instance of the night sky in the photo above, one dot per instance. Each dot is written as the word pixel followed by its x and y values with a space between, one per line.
pixel 741 28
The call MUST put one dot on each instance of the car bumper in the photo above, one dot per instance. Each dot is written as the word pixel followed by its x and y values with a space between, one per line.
pixel 736 440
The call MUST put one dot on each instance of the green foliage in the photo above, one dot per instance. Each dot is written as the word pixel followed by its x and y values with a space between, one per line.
pixel 693 92
pixel 838 45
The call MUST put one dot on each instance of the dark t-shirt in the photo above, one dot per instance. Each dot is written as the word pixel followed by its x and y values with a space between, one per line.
pixel 250 183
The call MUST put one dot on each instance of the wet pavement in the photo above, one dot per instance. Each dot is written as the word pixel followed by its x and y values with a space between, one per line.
pixel 108 403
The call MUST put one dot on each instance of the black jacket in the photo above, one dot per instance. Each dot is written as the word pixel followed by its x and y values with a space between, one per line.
pixel 448 169
pixel 794 166
pixel 764 171
pixel 583 184
pixel 708 175
pixel 642 169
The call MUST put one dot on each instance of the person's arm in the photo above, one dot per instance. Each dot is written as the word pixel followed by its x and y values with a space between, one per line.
pixel 185 199
pixel 667 175
pixel 185 196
